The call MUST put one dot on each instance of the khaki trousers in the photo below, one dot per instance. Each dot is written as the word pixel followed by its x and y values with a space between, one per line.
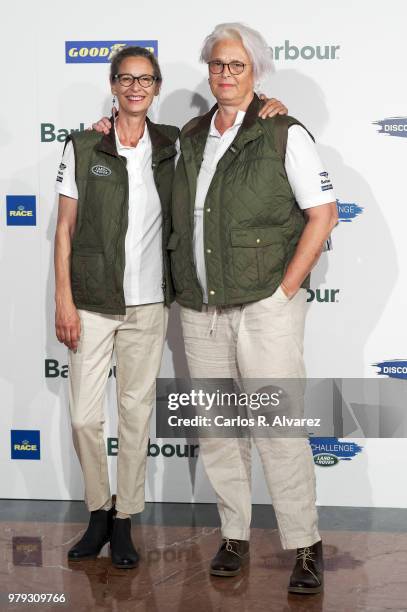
pixel 138 339
pixel 262 339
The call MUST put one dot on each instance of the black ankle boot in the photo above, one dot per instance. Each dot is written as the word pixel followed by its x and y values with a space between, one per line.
pixel 95 537
pixel 308 572
pixel 123 553
pixel 230 557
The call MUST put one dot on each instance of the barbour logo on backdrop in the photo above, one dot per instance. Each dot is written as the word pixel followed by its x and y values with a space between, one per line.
pixel 101 170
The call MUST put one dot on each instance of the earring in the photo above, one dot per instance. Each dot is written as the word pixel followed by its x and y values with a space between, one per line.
pixel 114 100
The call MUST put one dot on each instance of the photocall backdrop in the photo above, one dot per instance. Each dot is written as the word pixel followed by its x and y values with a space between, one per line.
pixel 340 70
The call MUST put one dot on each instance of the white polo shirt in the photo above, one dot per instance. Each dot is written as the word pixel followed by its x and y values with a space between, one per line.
pixel 143 274
pixel 306 174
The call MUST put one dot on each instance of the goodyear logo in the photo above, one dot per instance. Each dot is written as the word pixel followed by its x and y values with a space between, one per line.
pixel 21 210
pixel 348 211
pixel 101 51
pixel 396 368
pixel 393 126
pixel 330 451
pixel 25 444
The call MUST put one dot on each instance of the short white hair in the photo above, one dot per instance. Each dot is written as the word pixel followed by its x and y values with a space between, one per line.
pixel 254 43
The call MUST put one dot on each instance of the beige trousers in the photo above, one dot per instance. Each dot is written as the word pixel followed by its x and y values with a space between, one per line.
pixel 262 339
pixel 137 339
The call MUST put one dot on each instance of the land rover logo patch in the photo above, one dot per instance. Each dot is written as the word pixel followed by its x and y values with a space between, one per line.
pixel 101 170
pixel 325 459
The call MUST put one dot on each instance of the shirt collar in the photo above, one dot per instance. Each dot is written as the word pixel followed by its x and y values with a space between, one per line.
pixel 238 122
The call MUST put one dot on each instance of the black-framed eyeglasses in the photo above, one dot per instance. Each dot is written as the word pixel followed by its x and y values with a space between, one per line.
pixel 144 80
pixel 235 67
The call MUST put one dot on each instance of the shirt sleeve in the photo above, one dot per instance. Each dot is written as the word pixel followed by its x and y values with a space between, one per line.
pixel 306 173
pixel 65 183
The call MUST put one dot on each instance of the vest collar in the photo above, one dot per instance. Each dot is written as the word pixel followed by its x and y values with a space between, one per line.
pixel 203 124
pixel 159 140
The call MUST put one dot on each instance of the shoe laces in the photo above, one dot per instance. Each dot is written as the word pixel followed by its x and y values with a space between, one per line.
pixel 305 554
pixel 229 546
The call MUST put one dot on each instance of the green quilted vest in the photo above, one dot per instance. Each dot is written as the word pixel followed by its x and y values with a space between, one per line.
pixel 252 223
pixel 98 245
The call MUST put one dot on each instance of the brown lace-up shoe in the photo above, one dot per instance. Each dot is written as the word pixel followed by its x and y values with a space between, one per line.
pixel 230 558
pixel 307 576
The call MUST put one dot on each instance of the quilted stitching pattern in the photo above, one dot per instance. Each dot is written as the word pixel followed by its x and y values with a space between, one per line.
pixel 249 190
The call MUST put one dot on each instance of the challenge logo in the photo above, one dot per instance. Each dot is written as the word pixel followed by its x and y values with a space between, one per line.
pixel 101 170
pixel 348 211
pixel 394 126
pixel 21 210
pixel 25 444
pixel 308 52
pixel 100 52
pixel 329 451
pixel 323 295
pixel 396 368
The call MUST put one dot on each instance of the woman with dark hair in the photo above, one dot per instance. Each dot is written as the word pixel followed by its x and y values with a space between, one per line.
pixel 113 290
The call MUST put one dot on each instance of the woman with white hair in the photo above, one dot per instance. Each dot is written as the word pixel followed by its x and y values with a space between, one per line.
pixel 261 207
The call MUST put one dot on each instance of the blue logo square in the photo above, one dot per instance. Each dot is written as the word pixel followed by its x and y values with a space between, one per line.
pixel 21 210
pixel 25 444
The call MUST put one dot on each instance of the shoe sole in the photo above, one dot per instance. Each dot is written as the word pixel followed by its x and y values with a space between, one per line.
pixel 119 566
pixel 226 573
pixel 304 591
pixel 92 556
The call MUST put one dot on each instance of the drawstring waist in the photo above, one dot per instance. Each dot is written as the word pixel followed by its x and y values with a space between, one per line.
pixel 217 310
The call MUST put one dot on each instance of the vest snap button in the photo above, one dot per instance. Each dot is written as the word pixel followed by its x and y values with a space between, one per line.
pixel 209 250
pixel 208 210
pixel 258 240
pixel 212 292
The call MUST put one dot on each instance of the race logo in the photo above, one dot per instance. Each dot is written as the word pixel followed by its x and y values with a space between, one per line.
pixel 25 444
pixel 21 210
pixel 154 450
pixel 323 295
pixel 27 551
pixel 307 52
pixel 101 170
pixel 330 451
pixel 394 126
pixel 101 51
pixel 396 368
pixel 348 211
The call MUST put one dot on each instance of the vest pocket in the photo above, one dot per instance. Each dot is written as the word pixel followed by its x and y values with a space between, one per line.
pixel 258 253
pixel 177 270
pixel 88 277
